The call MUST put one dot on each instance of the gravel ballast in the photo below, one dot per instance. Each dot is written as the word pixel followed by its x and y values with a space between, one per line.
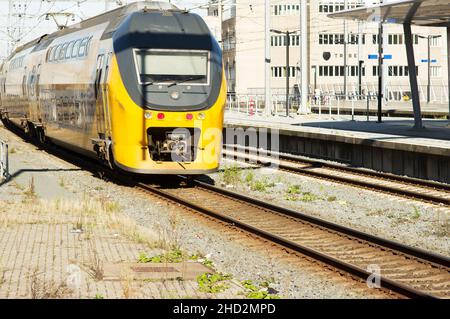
pixel 413 223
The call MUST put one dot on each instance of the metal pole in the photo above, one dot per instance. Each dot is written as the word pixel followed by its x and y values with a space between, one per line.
pixel 267 73
pixel 219 10
pixel 413 76
pixel 360 62
pixel 315 78
pixel 448 69
pixel 287 72
pixel 429 70
pixel 345 52
pixel 304 55
pixel 380 71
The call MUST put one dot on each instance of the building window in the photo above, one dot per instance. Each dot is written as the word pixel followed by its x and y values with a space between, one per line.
pixel 435 42
pixel 435 71
pixel 286 9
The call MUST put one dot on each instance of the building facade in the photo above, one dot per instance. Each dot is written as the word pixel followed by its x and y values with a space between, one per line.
pixel 331 53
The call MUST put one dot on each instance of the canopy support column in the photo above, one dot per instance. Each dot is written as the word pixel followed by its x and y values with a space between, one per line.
pixel 448 69
pixel 413 76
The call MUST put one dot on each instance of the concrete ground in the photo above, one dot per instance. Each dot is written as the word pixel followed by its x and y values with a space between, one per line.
pixel 62 236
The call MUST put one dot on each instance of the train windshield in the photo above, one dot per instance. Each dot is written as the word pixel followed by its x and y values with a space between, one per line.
pixel 172 66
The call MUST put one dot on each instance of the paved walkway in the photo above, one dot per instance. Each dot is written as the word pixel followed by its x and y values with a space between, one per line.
pixel 62 235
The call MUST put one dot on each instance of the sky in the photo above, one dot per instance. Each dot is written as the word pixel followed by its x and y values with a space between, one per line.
pixel 33 24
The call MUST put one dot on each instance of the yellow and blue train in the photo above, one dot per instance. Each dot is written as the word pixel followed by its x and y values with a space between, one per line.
pixel 141 88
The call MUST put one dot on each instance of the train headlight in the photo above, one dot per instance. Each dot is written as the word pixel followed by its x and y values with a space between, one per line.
pixel 175 95
pixel 201 116
pixel 148 115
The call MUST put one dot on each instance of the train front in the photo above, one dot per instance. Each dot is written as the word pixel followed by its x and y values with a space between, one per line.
pixel 167 94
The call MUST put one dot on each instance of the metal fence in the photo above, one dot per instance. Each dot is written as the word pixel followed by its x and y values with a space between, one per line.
pixel 4 165
pixel 327 104
pixel 254 104
pixel 394 91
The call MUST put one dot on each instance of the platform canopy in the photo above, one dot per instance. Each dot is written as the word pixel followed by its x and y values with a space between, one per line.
pixel 416 12
pixel 429 13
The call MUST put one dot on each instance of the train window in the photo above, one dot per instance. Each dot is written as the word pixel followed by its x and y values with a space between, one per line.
pixel 167 66
pixel 69 49
pixel 38 76
pixel 82 49
pixel 52 53
pixel 56 55
pixel 75 48
pixel 63 51
pixel 88 45
pixel 47 56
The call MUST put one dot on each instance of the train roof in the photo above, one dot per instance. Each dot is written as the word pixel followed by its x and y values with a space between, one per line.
pixel 115 17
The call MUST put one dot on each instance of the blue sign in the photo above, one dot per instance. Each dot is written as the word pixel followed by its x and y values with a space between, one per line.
pixel 426 60
pixel 375 56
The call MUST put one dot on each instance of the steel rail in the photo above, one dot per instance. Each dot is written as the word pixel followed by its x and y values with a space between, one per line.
pixel 387 283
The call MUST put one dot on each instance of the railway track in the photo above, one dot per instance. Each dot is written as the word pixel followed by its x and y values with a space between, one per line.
pixel 408 271
pixel 405 270
pixel 428 191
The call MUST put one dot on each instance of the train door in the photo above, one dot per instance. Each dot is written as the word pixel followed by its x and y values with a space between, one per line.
pixel 98 90
pixel 37 93
pixel 105 95
pixel 101 93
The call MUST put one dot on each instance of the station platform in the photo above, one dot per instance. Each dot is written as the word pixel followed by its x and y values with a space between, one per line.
pixel 432 110
pixel 392 146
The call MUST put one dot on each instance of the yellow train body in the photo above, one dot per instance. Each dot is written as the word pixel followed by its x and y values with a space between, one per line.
pixel 87 88
pixel 129 124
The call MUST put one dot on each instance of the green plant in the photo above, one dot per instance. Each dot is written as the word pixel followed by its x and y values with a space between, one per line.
pixel 261 294
pixel 308 197
pixel 249 177
pixel 205 261
pixel 232 175
pixel 99 296
pixel 213 283
pixel 416 213
pixel 255 292
pixel 261 185
pixel 208 263
pixel 331 198
pixel 174 256
pixel 293 189
pixel 12 150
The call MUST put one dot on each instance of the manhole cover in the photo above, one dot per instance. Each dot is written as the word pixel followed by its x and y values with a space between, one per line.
pixel 154 269
pixel 185 270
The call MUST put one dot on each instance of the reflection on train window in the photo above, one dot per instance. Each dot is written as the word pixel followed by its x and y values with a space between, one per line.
pixel 69 50
pixel 75 48
pixel 58 49
pixel 172 66
pixel 81 51
pixel 63 51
